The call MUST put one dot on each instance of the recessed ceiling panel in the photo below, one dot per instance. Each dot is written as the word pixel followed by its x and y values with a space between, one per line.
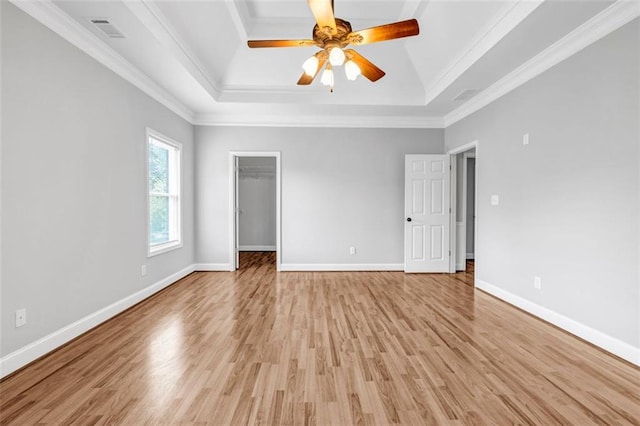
pixel 271 74
pixel 269 9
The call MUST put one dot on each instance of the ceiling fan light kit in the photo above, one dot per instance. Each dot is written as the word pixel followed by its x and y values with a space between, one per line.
pixel 336 56
pixel 327 77
pixel 333 35
pixel 310 66
pixel 352 70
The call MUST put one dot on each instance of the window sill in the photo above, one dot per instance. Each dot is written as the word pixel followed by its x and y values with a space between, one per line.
pixel 163 248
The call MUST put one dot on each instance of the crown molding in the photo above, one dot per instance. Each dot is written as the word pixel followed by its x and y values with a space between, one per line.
pixel 51 16
pixel 615 16
pixel 236 18
pixel 480 46
pixel 412 9
pixel 319 120
pixel 236 89
pixel 154 20
pixel 259 94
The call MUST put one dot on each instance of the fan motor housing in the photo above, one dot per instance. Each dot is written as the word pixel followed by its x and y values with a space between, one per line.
pixel 323 36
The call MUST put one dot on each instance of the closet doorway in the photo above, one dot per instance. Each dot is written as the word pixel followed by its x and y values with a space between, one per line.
pixel 464 198
pixel 465 211
pixel 255 209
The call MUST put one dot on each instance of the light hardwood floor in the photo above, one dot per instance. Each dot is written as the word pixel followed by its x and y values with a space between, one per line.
pixel 260 347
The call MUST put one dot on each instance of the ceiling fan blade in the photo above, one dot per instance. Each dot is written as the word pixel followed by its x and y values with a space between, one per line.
pixel 322 11
pixel 385 32
pixel 368 69
pixel 306 79
pixel 281 43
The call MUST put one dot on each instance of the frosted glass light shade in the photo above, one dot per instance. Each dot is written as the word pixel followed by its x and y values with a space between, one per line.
pixel 327 77
pixel 352 70
pixel 336 56
pixel 310 66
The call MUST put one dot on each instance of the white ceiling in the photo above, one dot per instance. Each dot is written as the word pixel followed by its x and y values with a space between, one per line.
pixel 196 54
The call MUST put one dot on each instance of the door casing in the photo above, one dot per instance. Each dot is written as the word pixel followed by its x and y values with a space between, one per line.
pixel 233 201
pixel 459 150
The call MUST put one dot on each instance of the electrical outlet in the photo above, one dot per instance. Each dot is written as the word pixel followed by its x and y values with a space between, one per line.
pixel 495 200
pixel 537 283
pixel 352 250
pixel 143 270
pixel 525 139
pixel 21 317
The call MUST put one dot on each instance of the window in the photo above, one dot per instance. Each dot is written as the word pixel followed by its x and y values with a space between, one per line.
pixel 164 193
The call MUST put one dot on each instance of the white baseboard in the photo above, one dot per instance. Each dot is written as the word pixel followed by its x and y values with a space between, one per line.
pixel 211 267
pixel 604 341
pixel 29 353
pixel 342 267
pixel 257 248
pixel 470 256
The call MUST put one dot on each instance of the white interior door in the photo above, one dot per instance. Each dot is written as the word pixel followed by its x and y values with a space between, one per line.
pixel 427 213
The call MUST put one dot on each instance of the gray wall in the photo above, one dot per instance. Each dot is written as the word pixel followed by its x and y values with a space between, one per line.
pixel 257 202
pixel 340 188
pixel 569 201
pixel 73 183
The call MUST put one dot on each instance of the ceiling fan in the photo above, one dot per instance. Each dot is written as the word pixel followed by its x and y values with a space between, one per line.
pixel 333 35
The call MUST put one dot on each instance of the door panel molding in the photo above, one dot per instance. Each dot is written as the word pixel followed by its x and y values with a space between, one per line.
pixel 427 213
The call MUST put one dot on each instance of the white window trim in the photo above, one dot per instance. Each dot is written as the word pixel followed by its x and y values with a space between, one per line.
pixel 176 243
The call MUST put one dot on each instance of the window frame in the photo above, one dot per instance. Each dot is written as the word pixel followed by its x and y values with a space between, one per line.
pixel 175 191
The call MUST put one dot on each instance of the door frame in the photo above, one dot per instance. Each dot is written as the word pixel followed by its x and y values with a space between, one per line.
pixel 453 152
pixel 465 190
pixel 233 187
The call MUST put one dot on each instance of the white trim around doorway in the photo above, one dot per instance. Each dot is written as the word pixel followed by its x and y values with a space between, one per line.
pixel 458 150
pixel 233 155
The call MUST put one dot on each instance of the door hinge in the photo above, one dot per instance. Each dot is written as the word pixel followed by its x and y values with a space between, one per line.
pixel 449 209
pixel 449 252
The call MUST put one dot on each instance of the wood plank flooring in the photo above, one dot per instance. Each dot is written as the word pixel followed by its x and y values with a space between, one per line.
pixel 260 347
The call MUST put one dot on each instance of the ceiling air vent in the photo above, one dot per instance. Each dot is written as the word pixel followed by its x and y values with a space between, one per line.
pixel 106 27
pixel 465 95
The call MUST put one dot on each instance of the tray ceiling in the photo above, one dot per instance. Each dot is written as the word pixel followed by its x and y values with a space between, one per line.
pixel 196 53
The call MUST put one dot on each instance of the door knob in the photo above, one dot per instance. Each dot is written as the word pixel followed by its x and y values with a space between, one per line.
pixel 408 219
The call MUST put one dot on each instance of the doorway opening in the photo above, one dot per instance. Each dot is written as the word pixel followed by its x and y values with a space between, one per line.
pixel 255 210
pixel 464 231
